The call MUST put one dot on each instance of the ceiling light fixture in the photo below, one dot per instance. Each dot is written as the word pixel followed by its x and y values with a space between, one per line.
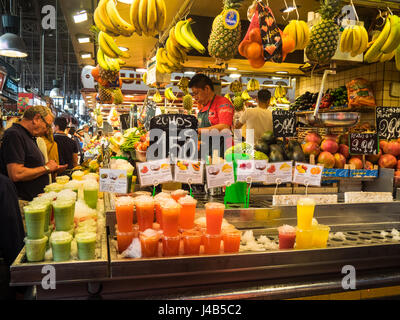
pixel 86 55
pixel 55 92
pixel 123 49
pixel 232 69
pixel 235 75
pixel 276 78
pixel 80 16
pixel 83 39
pixel 11 45
pixel 140 70
pixel 288 9
pixel 281 72
pixel 190 73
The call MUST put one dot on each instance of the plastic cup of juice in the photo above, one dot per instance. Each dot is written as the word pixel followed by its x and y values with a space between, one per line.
pixel 304 238
pixel 77 175
pixel 35 249
pixel 86 245
pixel 214 216
pixel 91 193
pixel 158 200
pixel 171 245
pixel 177 194
pixel 320 236
pixel 124 240
pixel 305 212
pixel 47 202
pixel 35 219
pixel 124 213
pixel 144 212
pixel 212 243
pixel 64 214
pixel 188 211
pixel 191 242
pixel 287 237
pixel 56 187
pixel 62 179
pixel 149 243
pixel 170 211
pixel 60 242
pixel 73 185
pixel 231 240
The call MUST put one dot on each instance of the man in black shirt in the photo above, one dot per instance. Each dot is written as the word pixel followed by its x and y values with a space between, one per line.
pixel 67 148
pixel 20 158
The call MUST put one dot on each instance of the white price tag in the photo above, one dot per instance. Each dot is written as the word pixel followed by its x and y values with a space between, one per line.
pixel 188 171
pixel 253 170
pixel 154 172
pixel 113 181
pixel 219 175
pixel 281 171
pixel 307 174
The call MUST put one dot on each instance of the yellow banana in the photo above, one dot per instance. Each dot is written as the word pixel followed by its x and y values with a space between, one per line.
pixel 144 78
pixel 166 58
pixel 393 41
pixel 190 38
pixel 172 58
pixel 378 57
pixel 113 46
pixel 167 68
pixel 104 18
pixel 121 62
pixel 387 56
pixel 306 31
pixel 342 40
pixel 113 64
pixel 170 94
pixel 374 50
pixel 151 16
pixel 397 58
pixel 134 16
pixel 364 40
pixel 349 40
pixel 124 27
pixel 356 41
pixel 105 47
pixel 98 22
pixel 143 17
pixel 173 50
pixel 101 60
pixel 299 35
pixel 161 15
pixel 178 35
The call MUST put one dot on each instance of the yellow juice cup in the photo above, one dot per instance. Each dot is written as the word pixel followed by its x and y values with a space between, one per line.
pixel 304 238
pixel 305 212
pixel 320 236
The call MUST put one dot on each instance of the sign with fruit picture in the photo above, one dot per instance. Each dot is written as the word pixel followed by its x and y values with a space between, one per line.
pixel 363 143
pixel 279 172
pixel 251 170
pixel 219 175
pixel 307 174
pixel 113 180
pixel 154 172
pixel 388 122
pixel 190 172
pixel 284 123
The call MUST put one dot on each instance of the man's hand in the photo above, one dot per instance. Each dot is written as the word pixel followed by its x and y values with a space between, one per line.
pixel 62 168
pixel 52 165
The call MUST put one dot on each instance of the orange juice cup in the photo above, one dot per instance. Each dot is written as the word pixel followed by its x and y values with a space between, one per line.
pixel 149 243
pixel 320 236
pixel 144 212
pixel 214 216
pixel 186 218
pixel 158 200
pixel 124 213
pixel 232 241
pixel 304 238
pixel 177 194
pixel 305 212
pixel 212 244
pixel 191 242
pixel 170 212
pixel 171 245
pixel 124 240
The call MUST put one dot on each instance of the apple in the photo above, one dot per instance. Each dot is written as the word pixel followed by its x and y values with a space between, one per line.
pixel 374 157
pixel 313 137
pixel 330 146
pixel 327 159
pixel 368 165
pixel 333 137
pixel 398 165
pixel 340 160
pixel 344 150
pixel 356 162
pixel 382 145
pixel 397 173
pixel 387 161
pixel 311 148
pixel 392 147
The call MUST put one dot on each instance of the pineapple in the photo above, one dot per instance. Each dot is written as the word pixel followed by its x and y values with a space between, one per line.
pixel 238 103
pixel 118 96
pixel 105 95
pixel 108 75
pixel 187 102
pixel 325 35
pixel 223 42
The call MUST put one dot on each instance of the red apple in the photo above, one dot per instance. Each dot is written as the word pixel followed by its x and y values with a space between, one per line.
pixel 344 150
pixel 327 159
pixel 398 164
pixel 397 173
pixel 374 157
pixel 333 137
pixel 311 148
pixel 392 147
pixel 340 160
pixel 382 145
pixel 329 145
pixel 356 162
pixel 387 161
pixel 368 165
pixel 313 137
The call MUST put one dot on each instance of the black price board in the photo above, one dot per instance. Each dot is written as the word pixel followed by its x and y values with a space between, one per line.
pixel 388 122
pixel 284 123
pixel 363 143
pixel 181 129
pixel 125 121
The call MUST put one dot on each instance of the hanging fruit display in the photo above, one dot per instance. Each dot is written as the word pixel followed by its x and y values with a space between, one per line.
pixel 253 85
pixel 110 48
pixel 299 31
pixel 149 17
pixel 236 89
pixel 157 98
pixel 169 94
pixel 226 30
pixel 187 99
pixel 325 35
pixel 279 96
pixel 354 39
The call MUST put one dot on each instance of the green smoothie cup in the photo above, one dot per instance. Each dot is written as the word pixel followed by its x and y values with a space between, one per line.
pixel 49 208
pixel 60 242
pixel 35 249
pixel 86 245
pixel 91 193
pixel 35 219
pixel 56 187
pixel 48 234
pixel 63 214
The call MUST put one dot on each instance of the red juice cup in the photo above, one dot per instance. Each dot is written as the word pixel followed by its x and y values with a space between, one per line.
pixel 149 243
pixel 212 243
pixel 186 218
pixel 191 242
pixel 170 211
pixel 287 237
pixel 144 212
pixel 124 213
pixel 214 216
pixel 171 245
pixel 231 241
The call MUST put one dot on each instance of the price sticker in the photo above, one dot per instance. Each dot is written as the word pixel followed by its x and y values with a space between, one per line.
pixel 113 180
pixel 388 122
pixel 307 174
pixel 363 143
pixel 219 175
pixel 159 170
pixel 190 172
pixel 253 170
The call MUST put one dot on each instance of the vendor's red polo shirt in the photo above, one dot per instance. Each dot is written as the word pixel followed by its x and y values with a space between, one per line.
pixel 221 111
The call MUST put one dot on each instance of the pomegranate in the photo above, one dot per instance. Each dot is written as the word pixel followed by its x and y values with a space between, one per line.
pixel 357 162
pixel 344 150
pixel 392 147
pixel 327 159
pixel 333 137
pixel 330 146
pixel 387 161
pixel 340 160
pixel 313 137
pixel 311 148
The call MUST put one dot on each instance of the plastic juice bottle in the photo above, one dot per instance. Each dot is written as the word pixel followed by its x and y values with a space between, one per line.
pixel 124 239
pixel 170 212
pixel 304 238
pixel 320 236
pixel 61 245
pixel 35 249
pixel 86 242
pixel 149 243
pixel 214 216
pixel 124 213
pixel 305 212
pixel 186 218
pixel 191 242
pixel 35 220
pixel 212 244
pixel 144 212
pixel 287 237
pixel 171 245
pixel 232 241
pixel 91 193
pixel 63 214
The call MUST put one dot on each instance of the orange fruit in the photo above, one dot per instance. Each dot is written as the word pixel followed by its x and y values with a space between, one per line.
pixel 243 47
pixel 254 51
pixel 257 63
pixel 255 35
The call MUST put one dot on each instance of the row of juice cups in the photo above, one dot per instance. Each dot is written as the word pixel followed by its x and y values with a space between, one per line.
pixel 314 237
pixel 192 240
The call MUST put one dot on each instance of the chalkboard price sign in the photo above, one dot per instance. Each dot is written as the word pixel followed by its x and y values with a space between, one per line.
pixel 388 122
pixel 284 123
pixel 363 143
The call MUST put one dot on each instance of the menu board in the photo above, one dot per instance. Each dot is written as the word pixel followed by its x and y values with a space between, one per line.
pixel 279 172
pixel 251 170
pixel 154 172
pixel 307 174
pixel 284 123
pixel 113 180
pixel 190 172
pixel 219 175
pixel 363 143
pixel 388 122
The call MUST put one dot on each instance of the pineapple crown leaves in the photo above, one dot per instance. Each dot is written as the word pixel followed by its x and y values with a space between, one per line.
pixel 232 4
pixel 330 8
pixel 94 33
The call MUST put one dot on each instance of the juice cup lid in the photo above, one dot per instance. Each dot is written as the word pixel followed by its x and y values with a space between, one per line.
pixel 60 236
pixel 35 206
pixel 36 241
pixel 86 236
pixel 214 205
pixel 187 200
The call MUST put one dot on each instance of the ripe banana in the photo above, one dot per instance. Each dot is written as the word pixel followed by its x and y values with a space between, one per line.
pixel 299 35
pixel 101 60
pixel 104 18
pixel 144 78
pixel 190 38
pixel 97 21
pixel 105 47
pixel 356 41
pixel 169 94
pixel 174 51
pixel 161 15
pixel 124 27
pixel 364 40
pixel 393 41
pixel 112 63
pixel 178 35
pixel 245 95
pixel 374 50
pixel 113 46
pixel 134 16
pixel 121 62
pixel 143 17
pixel 342 40
pixel 397 58
pixel 387 56
pixel 151 16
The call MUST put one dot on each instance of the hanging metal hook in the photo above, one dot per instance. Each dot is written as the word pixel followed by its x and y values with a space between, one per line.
pixel 295 7
pixel 380 16
pixel 354 9
pixel 390 11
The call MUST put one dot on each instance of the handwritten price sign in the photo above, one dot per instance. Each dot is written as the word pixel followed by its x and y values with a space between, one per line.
pixel 363 143
pixel 388 122
pixel 284 123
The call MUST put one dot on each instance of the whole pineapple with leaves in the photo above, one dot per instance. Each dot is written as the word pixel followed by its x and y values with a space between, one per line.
pixel 325 35
pixel 238 101
pixel 223 42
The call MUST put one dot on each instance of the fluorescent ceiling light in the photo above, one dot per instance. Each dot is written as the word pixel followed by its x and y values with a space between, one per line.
pixel 126 1
pixel 190 73
pixel 276 78
pixel 84 39
pixel 123 49
pixel 235 75
pixel 86 55
pixel 281 72
pixel 232 68
pixel 80 16
pixel 140 70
